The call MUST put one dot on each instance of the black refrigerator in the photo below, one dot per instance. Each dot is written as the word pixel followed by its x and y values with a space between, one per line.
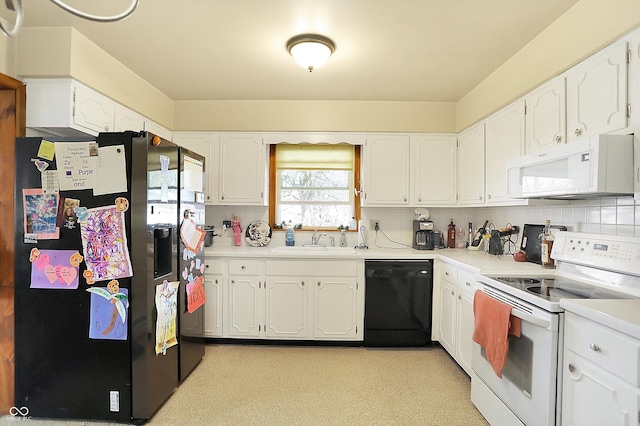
pixel 104 252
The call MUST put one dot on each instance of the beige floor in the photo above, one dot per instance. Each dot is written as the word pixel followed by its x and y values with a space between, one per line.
pixel 285 385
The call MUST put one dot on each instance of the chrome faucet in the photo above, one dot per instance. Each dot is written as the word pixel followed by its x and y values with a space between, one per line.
pixel 315 238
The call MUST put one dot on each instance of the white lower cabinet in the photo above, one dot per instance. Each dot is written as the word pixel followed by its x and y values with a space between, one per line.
pixel 335 309
pixel 213 294
pixel 287 308
pixel 291 299
pixel 456 287
pixel 601 380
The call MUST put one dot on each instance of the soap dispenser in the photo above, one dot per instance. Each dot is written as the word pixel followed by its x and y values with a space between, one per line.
pixel 289 237
pixel 343 238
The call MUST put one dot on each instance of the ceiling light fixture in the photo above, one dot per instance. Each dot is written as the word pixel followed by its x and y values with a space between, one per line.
pixel 310 51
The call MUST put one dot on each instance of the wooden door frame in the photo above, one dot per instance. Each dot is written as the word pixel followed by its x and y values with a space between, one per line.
pixel 13 114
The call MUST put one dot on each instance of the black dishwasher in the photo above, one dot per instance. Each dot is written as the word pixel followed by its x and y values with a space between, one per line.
pixel 398 301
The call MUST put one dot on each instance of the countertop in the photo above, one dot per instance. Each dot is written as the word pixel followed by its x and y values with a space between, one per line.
pixel 476 261
pixel 621 315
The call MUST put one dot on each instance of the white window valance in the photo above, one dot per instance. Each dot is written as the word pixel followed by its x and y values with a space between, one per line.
pixel 314 138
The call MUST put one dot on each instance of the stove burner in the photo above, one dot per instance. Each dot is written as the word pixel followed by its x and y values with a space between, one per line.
pixel 519 280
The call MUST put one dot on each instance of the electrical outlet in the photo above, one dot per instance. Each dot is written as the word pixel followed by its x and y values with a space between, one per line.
pixel 226 223
pixel 374 224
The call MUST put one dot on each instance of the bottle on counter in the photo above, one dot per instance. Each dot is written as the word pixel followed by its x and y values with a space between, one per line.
pixel 546 245
pixel 343 238
pixel 451 235
pixel 289 236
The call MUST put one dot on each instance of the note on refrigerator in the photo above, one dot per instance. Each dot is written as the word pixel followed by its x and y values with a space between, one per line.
pixel 112 170
pixel 76 163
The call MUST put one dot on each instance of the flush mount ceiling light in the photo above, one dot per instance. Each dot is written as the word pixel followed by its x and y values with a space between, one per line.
pixel 310 51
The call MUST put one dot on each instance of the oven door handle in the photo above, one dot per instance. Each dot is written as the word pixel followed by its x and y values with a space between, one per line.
pixel 530 318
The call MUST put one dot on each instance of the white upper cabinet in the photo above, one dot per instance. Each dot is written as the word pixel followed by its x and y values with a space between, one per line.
pixel 546 116
pixel 597 93
pixel 207 145
pixel 243 170
pixel 471 166
pixel 125 119
pixel 504 140
pixel 433 169
pixel 386 171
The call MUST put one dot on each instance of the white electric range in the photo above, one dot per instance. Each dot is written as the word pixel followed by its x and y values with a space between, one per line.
pixel 588 266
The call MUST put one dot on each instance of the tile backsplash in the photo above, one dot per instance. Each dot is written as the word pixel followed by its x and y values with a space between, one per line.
pixel 619 216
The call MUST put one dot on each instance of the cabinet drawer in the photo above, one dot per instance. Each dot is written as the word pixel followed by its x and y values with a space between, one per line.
pixel 244 267
pixel 312 268
pixel 466 281
pixel 213 266
pixel 604 347
pixel 449 273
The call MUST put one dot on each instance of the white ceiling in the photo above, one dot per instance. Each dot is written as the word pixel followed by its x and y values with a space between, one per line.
pixel 394 50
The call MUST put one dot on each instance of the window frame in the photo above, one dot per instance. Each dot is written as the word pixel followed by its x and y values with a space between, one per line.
pixel 273 185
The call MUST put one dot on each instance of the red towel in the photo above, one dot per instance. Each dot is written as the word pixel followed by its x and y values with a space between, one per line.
pixel 493 323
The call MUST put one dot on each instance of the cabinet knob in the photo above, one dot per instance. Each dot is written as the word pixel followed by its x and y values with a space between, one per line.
pixel 404 199
pixel 420 199
pixel 572 368
pixel 459 297
pixel 446 273
pixel 243 267
pixel 318 283
pixel 578 132
pixel 480 197
pixel 452 292
pixel 558 138
pixel 468 283
pixel 106 127
pixel 302 283
pixel 206 265
pixel 594 347
pixel 488 196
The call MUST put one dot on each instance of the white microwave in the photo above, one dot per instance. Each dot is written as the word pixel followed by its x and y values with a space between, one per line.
pixel 600 165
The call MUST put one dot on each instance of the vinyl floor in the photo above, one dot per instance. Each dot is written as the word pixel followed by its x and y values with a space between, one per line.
pixel 314 385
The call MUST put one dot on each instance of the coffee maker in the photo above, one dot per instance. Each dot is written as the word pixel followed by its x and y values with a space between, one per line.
pixel 423 236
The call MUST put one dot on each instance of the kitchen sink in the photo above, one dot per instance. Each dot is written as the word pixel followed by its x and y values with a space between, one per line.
pixel 313 249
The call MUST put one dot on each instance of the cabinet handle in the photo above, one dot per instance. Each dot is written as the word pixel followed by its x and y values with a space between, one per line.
pixel 638 174
pixel 318 283
pixel 420 199
pixel 578 132
pixel 233 281
pixel 446 273
pixel 302 283
pixel 572 368
pixel 404 199
pixel 468 283
pixel 216 281
pixel 243 267
pixel 594 347
pixel 558 139
pixel 452 292
pixel 222 196
pixel 459 297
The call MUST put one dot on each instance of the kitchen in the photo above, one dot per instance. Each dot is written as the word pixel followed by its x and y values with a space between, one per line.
pixel 617 215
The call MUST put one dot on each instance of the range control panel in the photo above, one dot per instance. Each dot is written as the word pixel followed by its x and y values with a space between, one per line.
pixel 614 252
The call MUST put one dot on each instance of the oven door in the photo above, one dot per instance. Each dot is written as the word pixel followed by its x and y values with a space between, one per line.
pixel 528 387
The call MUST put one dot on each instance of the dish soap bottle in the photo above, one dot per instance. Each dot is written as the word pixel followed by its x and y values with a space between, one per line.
pixel 289 236
pixel 451 235
pixel 546 245
pixel 343 238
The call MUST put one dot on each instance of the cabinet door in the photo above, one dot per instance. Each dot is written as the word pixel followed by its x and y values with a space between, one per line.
pixel 213 307
pixel 125 119
pixel 597 94
pixel 243 170
pixel 93 111
pixel 386 171
pixel 335 308
pixel 471 165
pixel 246 302
pixel 504 140
pixel 287 312
pixel 205 144
pixel 593 396
pixel 448 306
pixel 546 116
pixel 464 330
pixel 433 166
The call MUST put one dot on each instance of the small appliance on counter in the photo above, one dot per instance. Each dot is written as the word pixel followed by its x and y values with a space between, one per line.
pixel 424 238
pixel 530 243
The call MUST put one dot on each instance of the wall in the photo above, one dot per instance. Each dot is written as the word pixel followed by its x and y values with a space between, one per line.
pixel 617 216
pixel 7 56
pixel 433 117
pixel 581 31
pixel 64 52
